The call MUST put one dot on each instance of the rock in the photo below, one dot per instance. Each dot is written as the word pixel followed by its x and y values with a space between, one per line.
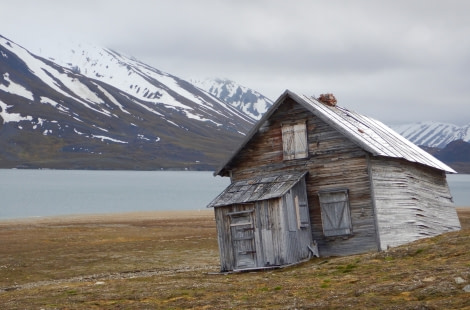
pixel 467 288
pixel 459 280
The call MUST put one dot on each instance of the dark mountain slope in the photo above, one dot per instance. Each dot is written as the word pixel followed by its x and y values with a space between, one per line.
pixel 456 154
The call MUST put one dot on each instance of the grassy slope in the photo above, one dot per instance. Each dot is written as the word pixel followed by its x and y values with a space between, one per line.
pixel 167 262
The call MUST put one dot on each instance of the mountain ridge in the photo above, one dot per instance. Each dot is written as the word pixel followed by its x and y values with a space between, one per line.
pixel 55 117
pixel 433 134
pixel 241 97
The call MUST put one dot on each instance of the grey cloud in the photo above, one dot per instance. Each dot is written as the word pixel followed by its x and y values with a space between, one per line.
pixel 398 60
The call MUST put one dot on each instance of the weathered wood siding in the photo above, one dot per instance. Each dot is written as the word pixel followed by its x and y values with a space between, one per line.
pixel 280 237
pixel 333 162
pixel 412 201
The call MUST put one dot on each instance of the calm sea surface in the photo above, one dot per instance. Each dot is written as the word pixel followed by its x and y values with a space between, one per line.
pixel 31 193
pixel 37 193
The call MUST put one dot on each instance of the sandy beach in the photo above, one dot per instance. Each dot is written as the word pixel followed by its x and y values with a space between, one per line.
pixel 111 217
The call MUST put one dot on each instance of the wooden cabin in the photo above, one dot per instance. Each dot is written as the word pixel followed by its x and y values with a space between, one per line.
pixel 315 178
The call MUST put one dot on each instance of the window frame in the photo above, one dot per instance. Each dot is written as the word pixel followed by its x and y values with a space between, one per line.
pixel 335 212
pixel 294 140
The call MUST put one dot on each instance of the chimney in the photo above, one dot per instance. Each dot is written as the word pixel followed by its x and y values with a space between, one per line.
pixel 328 99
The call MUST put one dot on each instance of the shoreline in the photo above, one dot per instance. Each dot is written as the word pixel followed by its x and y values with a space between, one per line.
pixel 134 216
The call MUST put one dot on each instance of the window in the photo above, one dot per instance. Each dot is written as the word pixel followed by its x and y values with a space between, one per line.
pixel 294 140
pixel 335 213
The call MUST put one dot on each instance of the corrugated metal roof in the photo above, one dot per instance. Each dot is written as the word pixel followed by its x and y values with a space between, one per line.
pixel 370 134
pixel 257 188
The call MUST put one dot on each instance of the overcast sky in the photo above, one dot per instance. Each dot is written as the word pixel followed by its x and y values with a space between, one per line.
pixel 398 61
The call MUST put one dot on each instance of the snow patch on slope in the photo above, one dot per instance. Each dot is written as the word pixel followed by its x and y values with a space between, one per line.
pixel 103 138
pixel 15 89
pixel 11 117
pixel 112 99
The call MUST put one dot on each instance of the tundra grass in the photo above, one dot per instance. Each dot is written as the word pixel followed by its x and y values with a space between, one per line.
pixel 172 263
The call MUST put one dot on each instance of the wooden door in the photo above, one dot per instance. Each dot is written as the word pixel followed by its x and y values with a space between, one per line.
pixel 243 239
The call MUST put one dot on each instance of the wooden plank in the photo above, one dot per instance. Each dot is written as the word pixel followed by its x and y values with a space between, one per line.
pixel 412 202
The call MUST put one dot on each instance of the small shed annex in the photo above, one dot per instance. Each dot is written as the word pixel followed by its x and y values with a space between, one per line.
pixel 312 176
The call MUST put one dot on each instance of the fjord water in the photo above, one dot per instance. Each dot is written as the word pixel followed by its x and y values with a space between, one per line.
pixel 460 188
pixel 34 193
pixel 38 193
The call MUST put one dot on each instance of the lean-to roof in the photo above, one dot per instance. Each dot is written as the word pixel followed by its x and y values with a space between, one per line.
pixel 257 188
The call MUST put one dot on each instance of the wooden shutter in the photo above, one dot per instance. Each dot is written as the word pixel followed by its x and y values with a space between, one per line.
pixel 288 145
pixel 304 215
pixel 294 140
pixel 335 213
pixel 300 138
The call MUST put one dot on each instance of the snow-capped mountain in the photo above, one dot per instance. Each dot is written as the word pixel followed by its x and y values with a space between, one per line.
pixel 105 111
pixel 141 80
pixel 243 98
pixel 433 134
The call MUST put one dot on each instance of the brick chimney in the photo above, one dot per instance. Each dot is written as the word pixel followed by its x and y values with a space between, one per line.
pixel 328 99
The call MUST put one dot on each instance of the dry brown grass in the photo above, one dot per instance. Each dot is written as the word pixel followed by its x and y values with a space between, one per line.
pixel 166 261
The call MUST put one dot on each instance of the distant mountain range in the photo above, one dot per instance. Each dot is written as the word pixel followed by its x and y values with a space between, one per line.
pixel 447 142
pixel 104 110
pixel 456 154
pixel 433 134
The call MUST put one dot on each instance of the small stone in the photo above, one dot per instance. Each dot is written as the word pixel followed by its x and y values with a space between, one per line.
pixel 99 283
pixel 459 280
pixel 467 288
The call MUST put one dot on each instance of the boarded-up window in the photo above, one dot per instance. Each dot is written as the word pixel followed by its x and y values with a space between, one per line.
pixel 335 213
pixel 294 140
